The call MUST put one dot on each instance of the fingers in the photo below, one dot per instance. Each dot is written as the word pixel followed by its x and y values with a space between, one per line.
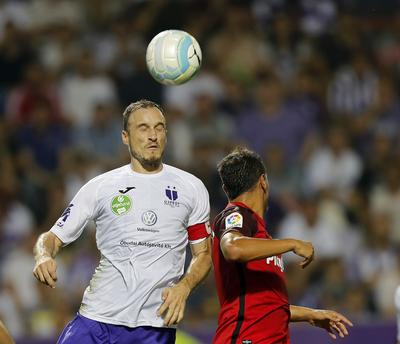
pixel 305 250
pixel 342 329
pixel 39 276
pixel 337 317
pixel 332 335
pixel 172 315
pixel 176 315
pixel 164 294
pixel 335 327
pixel 307 261
pixel 342 318
pixel 164 306
pixel 46 273
pixel 181 313
pixel 337 323
pixel 172 308
pixel 53 273
pixel 49 280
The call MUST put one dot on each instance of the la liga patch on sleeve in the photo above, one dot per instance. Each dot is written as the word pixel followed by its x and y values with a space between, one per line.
pixel 234 220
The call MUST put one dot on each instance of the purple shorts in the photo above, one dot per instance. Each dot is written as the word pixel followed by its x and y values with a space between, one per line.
pixel 87 331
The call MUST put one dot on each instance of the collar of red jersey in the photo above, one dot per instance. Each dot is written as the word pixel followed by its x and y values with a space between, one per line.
pixel 240 204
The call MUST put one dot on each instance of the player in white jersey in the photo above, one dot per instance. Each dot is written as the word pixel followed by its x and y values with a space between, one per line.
pixel 145 213
pixel 397 304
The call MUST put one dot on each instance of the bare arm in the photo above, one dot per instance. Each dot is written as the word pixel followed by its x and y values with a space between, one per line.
pixel 333 322
pixel 45 249
pixel 200 264
pixel 175 297
pixel 236 247
pixel 5 337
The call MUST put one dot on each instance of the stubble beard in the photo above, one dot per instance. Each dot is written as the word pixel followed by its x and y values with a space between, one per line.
pixel 147 164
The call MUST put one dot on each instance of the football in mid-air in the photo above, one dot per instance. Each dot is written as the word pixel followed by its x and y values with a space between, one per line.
pixel 173 57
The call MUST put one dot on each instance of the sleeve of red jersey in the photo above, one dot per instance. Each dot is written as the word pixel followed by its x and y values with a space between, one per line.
pixel 237 220
pixel 199 226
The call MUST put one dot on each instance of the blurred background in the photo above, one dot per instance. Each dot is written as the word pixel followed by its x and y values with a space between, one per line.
pixel 311 85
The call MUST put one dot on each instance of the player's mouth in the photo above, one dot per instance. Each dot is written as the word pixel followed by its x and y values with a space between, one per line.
pixel 153 146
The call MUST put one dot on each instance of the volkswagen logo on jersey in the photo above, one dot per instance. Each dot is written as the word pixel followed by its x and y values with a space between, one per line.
pixel 171 193
pixel 149 218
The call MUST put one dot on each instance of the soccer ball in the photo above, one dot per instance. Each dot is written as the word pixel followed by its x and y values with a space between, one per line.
pixel 173 57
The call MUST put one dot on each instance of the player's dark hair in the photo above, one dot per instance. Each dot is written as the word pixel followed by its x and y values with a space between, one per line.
pixel 140 104
pixel 239 171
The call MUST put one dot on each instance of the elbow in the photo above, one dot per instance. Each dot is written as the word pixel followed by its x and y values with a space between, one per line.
pixel 233 253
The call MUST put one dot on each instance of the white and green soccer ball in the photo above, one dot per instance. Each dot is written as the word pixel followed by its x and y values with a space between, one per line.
pixel 173 57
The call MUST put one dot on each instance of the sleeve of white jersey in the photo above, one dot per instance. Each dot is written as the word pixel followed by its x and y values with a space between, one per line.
pixel 80 210
pixel 199 225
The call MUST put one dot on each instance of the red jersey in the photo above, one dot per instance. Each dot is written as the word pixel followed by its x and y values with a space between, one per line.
pixel 252 295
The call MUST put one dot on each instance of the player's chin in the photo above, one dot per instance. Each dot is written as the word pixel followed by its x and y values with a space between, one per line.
pixel 152 160
pixel 153 155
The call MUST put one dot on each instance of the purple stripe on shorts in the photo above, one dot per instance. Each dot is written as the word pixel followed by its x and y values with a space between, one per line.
pixel 87 331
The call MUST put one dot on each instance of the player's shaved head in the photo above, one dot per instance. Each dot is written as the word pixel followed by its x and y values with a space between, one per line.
pixel 140 104
pixel 239 171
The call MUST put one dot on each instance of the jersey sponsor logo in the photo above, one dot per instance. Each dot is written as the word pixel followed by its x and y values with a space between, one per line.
pixel 127 189
pixel 277 261
pixel 64 216
pixel 234 220
pixel 247 341
pixel 151 230
pixel 147 244
pixel 149 218
pixel 120 205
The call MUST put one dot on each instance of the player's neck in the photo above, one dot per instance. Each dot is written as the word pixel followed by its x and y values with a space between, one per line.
pixel 145 169
pixel 251 202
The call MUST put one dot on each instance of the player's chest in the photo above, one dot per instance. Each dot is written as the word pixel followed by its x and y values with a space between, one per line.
pixel 147 208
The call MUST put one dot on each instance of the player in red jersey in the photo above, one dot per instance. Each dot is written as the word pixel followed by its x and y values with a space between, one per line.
pixel 248 265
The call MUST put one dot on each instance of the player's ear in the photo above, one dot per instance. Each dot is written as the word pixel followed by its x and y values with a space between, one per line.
pixel 263 182
pixel 125 137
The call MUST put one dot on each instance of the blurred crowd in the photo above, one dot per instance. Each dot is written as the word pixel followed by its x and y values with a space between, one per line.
pixel 311 85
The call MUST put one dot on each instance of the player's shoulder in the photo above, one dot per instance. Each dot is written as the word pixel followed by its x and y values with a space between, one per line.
pixel 108 176
pixel 232 213
pixel 184 176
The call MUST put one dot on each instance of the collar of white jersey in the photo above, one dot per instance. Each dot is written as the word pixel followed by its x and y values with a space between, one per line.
pixel 146 175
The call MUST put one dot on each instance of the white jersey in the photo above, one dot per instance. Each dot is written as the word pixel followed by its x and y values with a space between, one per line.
pixel 397 304
pixel 143 223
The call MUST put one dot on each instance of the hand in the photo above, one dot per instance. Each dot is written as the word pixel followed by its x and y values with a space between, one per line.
pixel 174 301
pixel 45 271
pixel 304 249
pixel 331 321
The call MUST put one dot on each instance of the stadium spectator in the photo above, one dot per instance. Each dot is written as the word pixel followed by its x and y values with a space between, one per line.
pixel 274 120
pixel 83 89
pixel 335 166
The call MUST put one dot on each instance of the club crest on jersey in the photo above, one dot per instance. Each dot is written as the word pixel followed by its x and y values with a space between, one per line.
pixel 121 204
pixel 172 195
pixel 64 216
pixel 234 220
